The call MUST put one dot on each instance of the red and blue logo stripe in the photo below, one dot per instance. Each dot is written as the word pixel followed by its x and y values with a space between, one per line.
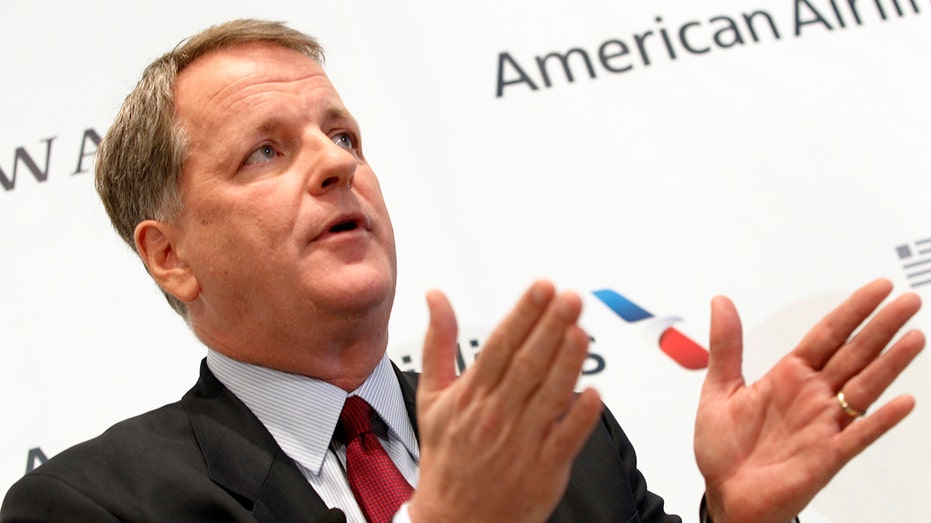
pixel 682 349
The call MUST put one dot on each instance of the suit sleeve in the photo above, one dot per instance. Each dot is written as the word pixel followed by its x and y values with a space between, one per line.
pixel 605 484
pixel 42 498
pixel 649 505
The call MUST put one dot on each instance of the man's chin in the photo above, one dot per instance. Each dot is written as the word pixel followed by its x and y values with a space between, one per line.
pixel 357 294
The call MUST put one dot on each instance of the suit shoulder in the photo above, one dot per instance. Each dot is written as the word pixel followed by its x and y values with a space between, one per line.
pixel 141 445
pixel 89 480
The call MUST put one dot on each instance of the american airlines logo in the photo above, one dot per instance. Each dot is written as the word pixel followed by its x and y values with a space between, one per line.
pixel 659 330
pixel 682 349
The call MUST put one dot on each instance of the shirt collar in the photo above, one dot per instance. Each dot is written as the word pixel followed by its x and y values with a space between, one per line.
pixel 277 398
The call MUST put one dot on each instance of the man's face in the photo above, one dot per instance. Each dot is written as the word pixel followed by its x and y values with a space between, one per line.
pixel 284 225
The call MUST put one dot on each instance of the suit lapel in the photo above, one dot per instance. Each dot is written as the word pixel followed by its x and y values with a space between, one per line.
pixel 243 458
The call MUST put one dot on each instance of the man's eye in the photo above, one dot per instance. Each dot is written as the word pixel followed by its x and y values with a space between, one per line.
pixel 345 141
pixel 262 154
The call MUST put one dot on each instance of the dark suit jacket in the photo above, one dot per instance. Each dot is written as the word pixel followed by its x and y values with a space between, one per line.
pixel 208 458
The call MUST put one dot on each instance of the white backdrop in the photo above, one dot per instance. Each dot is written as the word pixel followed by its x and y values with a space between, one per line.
pixel 783 172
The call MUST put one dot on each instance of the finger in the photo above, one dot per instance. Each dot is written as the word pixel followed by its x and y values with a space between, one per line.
pixel 554 395
pixel 866 387
pixel 570 433
pixel 439 348
pixel 535 358
pixel 834 329
pixel 501 345
pixel 725 359
pixel 857 436
pixel 871 340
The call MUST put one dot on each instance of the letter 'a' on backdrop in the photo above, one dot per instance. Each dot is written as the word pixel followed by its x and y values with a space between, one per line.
pixel 774 151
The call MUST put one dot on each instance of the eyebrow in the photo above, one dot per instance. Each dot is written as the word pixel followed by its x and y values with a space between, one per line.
pixel 331 113
pixel 340 113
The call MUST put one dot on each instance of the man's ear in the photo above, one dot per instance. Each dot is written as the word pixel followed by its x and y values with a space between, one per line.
pixel 158 253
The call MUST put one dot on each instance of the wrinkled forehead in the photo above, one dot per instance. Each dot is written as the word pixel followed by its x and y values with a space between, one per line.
pixel 218 80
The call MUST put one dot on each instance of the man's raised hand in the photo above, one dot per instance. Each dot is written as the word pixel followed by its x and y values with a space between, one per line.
pixel 498 442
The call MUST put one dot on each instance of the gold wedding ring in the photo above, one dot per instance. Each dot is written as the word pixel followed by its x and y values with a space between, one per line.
pixel 850 411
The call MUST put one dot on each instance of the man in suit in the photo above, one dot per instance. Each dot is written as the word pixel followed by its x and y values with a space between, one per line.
pixel 238 175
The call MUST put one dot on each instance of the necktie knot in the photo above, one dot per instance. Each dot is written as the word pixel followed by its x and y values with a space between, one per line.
pixel 356 418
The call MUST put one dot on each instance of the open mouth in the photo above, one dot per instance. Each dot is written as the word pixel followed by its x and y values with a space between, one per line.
pixel 344 226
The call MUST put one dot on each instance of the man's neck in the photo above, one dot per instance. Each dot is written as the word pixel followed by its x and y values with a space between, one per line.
pixel 342 357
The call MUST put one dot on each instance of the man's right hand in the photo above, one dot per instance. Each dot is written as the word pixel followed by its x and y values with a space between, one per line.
pixel 497 443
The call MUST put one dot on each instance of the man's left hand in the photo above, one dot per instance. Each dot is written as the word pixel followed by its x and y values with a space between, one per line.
pixel 767 448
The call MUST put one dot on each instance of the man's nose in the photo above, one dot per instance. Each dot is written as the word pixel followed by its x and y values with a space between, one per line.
pixel 331 166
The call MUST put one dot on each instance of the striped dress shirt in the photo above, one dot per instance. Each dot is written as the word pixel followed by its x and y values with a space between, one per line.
pixel 301 414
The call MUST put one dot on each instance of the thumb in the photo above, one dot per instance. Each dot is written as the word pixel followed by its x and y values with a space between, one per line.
pixel 726 345
pixel 439 347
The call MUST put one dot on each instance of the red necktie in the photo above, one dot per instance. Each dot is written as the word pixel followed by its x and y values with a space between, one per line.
pixel 376 482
